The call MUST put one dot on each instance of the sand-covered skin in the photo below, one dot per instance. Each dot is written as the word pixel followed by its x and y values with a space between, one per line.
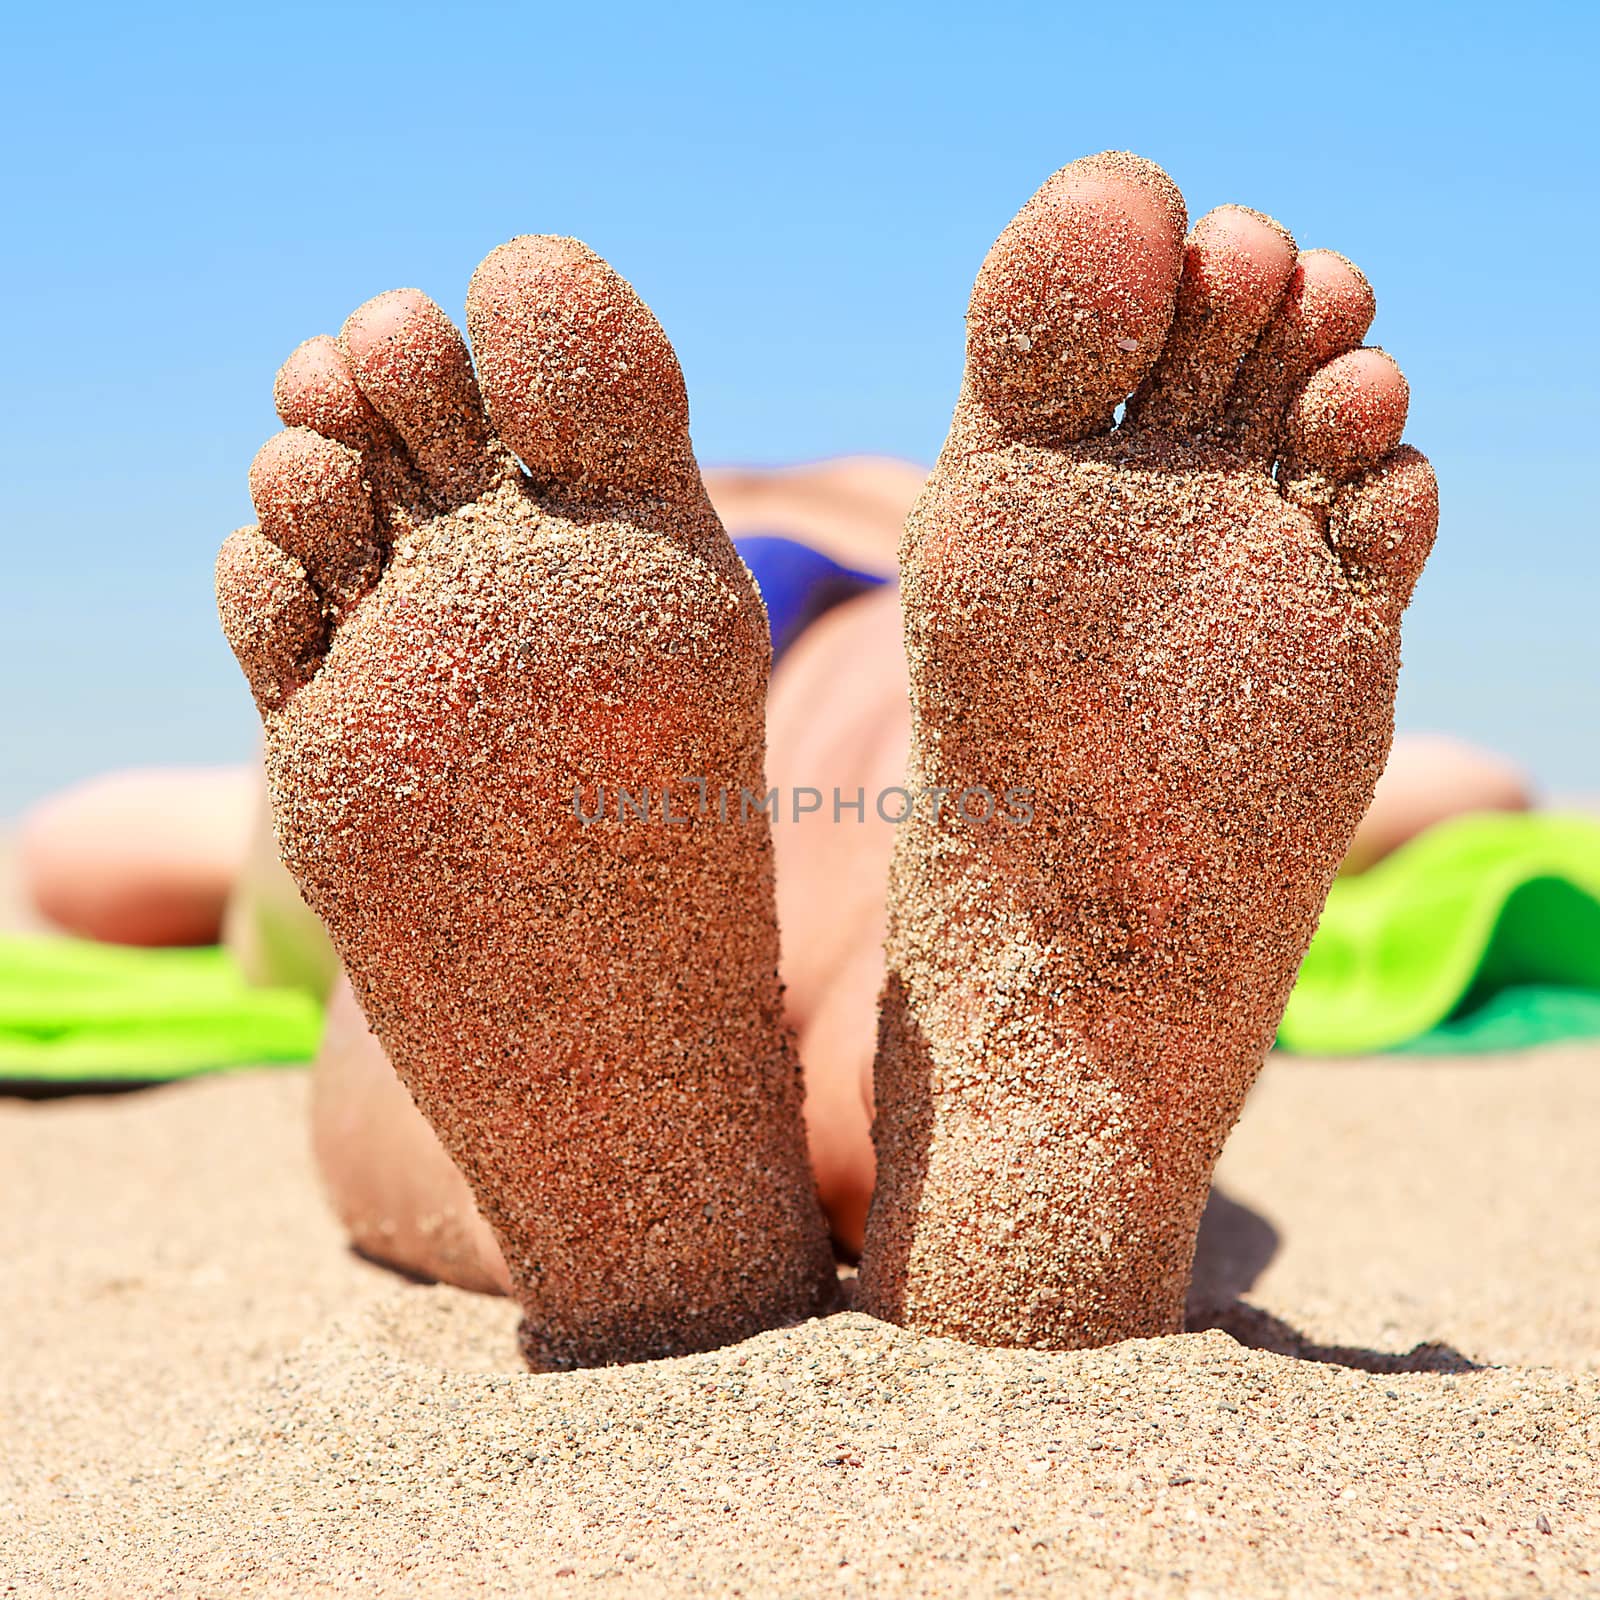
pixel 452 657
pixel 1187 667
pixel 204 1393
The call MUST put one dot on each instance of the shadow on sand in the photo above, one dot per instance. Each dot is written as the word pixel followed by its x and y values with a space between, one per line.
pixel 1234 1248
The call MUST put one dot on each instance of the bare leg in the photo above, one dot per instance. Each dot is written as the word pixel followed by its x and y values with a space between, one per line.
pixel 146 857
pixel 1429 779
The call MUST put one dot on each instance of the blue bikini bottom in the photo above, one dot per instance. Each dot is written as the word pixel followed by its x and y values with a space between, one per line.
pixel 798 584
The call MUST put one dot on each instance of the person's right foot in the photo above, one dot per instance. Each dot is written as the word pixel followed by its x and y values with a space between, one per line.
pixel 444 649
pixel 1182 633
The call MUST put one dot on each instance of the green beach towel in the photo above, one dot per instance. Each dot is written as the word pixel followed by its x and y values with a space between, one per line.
pixel 1482 934
pixel 77 1012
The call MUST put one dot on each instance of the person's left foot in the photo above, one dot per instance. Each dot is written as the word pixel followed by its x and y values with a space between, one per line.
pixel 445 649
pixel 1180 636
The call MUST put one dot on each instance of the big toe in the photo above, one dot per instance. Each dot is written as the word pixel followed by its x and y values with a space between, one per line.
pixel 1073 302
pixel 578 375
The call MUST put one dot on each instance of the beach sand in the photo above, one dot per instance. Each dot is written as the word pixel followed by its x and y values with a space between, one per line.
pixel 204 1392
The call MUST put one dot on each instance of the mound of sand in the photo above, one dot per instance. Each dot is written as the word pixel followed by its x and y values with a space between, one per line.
pixel 204 1393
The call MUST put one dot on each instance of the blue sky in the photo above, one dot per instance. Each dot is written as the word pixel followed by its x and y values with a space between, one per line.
pixel 803 194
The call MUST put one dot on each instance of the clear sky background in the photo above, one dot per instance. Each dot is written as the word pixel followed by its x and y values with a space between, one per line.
pixel 803 193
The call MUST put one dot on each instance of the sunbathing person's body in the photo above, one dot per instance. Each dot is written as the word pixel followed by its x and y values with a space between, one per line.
pixel 837 719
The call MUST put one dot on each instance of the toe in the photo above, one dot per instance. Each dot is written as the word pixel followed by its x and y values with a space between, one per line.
pixel 271 615
pixel 1072 303
pixel 412 365
pixel 580 379
pixel 1325 310
pixel 1382 526
pixel 1236 265
pixel 316 389
pixel 313 502
pixel 1349 415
